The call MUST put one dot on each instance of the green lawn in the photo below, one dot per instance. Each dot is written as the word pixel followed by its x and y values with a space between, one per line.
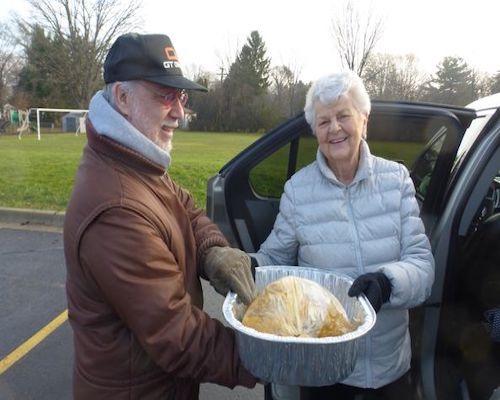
pixel 39 174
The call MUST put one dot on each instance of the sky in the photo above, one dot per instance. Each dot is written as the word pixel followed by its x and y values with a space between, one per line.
pixel 207 34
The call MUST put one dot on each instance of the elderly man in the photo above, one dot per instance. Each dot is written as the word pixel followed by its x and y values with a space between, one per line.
pixel 136 244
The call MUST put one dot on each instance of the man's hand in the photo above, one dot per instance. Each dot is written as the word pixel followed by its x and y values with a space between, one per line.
pixel 375 285
pixel 229 269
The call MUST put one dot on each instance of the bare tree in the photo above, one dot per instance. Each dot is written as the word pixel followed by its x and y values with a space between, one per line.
pixel 355 35
pixel 393 77
pixel 9 64
pixel 494 83
pixel 226 58
pixel 285 85
pixel 481 84
pixel 84 30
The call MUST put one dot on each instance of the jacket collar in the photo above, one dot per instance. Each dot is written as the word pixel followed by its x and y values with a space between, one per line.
pixel 365 165
pixel 107 122
pixel 115 150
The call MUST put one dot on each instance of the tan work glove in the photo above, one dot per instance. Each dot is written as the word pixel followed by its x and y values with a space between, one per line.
pixel 229 269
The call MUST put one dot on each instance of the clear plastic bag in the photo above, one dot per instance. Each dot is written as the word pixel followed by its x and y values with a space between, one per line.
pixel 293 306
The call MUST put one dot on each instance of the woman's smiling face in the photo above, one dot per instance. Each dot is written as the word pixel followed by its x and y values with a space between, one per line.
pixel 339 128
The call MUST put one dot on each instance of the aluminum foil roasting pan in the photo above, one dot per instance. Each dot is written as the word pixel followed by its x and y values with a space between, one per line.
pixel 298 360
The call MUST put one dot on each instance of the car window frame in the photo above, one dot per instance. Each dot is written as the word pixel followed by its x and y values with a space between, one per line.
pixel 236 172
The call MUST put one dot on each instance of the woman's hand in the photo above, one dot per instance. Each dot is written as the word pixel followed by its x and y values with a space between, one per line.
pixel 376 287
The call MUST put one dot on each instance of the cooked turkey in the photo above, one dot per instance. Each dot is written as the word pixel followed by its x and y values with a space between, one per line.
pixel 293 306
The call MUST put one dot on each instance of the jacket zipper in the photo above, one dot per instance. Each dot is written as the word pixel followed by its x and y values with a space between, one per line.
pixel 357 252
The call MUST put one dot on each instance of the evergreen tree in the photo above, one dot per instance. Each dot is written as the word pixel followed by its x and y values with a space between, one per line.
pixel 454 83
pixel 252 67
pixel 246 85
pixel 37 78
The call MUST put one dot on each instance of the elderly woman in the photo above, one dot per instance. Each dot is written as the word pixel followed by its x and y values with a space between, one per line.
pixel 356 213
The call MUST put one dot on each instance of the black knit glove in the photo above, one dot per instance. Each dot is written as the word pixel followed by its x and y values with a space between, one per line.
pixel 375 285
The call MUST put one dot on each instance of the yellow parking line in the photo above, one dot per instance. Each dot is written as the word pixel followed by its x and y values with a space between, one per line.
pixel 22 350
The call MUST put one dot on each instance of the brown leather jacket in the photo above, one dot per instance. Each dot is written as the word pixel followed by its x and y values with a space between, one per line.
pixel 133 241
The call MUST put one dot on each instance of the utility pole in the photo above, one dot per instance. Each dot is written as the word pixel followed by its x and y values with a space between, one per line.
pixel 222 74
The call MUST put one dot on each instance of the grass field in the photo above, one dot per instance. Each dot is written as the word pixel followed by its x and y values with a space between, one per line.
pixel 39 174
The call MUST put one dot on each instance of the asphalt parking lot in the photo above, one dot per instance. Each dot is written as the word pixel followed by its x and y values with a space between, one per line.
pixel 35 337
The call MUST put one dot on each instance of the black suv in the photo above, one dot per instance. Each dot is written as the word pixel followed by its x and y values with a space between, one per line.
pixel 453 154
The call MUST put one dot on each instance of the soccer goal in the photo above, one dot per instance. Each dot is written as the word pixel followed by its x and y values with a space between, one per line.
pixel 78 125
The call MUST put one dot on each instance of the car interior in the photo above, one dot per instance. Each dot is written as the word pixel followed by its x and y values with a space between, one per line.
pixel 468 354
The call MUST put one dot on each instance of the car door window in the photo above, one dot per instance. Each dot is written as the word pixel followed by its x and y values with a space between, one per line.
pixel 432 168
pixel 254 180
pixel 269 176
pixel 423 169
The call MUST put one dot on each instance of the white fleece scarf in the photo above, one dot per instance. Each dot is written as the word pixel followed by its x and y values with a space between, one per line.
pixel 109 122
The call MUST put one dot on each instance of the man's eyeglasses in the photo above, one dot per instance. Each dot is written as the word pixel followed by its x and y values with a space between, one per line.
pixel 170 96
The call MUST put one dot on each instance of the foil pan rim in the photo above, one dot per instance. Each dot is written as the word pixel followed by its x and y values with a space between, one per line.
pixel 365 327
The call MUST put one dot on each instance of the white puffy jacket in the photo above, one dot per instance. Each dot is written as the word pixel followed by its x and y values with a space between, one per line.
pixel 370 225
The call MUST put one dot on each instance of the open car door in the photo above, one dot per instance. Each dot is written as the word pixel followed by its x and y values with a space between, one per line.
pixel 243 199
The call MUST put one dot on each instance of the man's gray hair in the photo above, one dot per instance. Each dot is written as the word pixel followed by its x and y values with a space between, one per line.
pixel 328 89
pixel 109 94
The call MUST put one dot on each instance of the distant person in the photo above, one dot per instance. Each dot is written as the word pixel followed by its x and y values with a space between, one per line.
pixel 356 214
pixel 136 245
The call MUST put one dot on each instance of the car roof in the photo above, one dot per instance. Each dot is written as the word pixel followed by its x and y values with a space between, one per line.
pixel 488 102
pixel 414 110
pixel 464 114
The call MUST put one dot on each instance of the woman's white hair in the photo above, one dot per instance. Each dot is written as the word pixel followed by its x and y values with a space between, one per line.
pixel 328 89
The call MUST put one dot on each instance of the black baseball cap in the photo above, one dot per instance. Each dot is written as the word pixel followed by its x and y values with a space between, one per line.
pixel 150 57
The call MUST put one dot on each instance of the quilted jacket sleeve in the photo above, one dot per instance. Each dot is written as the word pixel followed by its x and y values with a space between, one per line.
pixel 280 247
pixel 413 275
